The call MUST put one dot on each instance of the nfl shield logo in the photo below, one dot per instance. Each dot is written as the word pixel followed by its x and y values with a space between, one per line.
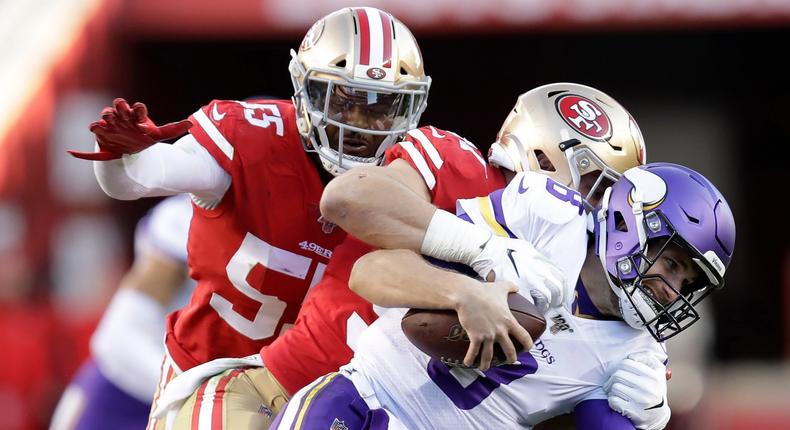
pixel 338 425
pixel 326 226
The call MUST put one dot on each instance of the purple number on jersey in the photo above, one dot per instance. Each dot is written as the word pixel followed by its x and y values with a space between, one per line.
pixel 565 194
pixel 472 395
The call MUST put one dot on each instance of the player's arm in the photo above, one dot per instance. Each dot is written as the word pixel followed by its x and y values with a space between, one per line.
pixel 131 164
pixel 595 414
pixel 156 275
pixel 163 170
pixel 401 278
pixel 127 343
pixel 388 207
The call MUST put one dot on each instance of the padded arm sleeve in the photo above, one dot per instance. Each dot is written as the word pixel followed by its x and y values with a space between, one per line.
pixel 163 170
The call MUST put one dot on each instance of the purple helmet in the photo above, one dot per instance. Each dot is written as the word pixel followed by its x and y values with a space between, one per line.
pixel 663 200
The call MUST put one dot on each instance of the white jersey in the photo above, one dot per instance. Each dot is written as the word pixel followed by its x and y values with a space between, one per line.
pixel 165 228
pixel 568 364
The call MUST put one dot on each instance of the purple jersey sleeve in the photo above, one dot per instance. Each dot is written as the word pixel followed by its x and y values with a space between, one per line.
pixel 597 415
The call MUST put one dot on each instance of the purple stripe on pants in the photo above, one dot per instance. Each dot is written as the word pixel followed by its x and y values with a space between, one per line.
pixel 336 406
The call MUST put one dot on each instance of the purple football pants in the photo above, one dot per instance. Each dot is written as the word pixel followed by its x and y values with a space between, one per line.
pixel 332 403
pixel 105 405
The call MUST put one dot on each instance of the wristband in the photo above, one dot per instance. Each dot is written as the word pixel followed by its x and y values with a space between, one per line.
pixel 450 238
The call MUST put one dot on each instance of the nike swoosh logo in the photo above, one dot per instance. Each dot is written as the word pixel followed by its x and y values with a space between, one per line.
pixel 215 115
pixel 483 245
pixel 512 261
pixel 521 188
pixel 656 406
pixel 436 134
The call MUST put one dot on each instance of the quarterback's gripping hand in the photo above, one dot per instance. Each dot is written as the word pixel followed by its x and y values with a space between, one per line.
pixel 484 313
pixel 638 390
pixel 506 259
pixel 127 130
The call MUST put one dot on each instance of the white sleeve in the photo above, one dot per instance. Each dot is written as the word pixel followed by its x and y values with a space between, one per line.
pixel 128 343
pixel 164 170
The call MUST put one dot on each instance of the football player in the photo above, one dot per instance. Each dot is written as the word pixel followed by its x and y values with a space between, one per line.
pixel 663 238
pixel 256 170
pixel 437 166
pixel 579 136
pixel 116 385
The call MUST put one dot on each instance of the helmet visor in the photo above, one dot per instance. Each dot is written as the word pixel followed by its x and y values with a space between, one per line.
pixel 362 109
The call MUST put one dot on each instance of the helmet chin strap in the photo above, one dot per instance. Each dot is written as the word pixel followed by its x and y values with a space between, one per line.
pixel 628 303
pixel 576 178
pixel 499 156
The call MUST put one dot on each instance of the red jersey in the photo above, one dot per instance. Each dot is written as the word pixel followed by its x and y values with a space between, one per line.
pixel 333 316
pixel 255 255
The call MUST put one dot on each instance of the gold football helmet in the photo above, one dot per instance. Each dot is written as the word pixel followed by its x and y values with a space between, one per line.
pixel 359 86
pixel 566 131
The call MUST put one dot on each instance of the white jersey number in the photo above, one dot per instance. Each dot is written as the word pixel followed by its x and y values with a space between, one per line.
pixel 355 325
pixel 469 146
pixel 254 251
pixel 252 109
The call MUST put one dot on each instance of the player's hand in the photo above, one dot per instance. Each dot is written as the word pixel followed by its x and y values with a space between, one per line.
pixel 638 389
pixel 515 260
pixel 484 313
pixel 127 130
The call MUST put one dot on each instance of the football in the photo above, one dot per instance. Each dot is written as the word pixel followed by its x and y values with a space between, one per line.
pixel 438 333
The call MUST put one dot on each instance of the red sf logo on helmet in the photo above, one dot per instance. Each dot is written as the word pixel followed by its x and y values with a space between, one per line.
pixel 585 116
pixel 376 73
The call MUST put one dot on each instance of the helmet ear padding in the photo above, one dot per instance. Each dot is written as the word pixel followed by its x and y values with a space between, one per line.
pixel 302 125
pixel 499 155
pixel 302 120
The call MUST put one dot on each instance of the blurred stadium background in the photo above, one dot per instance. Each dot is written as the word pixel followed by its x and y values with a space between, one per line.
pixel 703 78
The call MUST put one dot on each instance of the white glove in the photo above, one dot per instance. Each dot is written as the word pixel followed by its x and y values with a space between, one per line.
pixel 517 261
pixel 638 390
